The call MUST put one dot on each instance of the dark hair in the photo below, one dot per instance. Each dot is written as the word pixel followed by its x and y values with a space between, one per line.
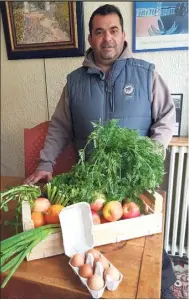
pixel 105 10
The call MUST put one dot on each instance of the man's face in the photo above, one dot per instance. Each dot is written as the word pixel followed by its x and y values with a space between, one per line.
pixel 107 38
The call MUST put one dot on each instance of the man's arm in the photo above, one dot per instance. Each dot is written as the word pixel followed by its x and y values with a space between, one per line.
pixel 163 112
pixel 60 133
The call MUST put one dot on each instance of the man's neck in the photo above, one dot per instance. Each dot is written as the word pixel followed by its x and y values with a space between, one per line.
pixel 104 68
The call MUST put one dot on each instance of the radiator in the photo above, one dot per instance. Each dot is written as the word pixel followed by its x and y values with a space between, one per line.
pixel 176 218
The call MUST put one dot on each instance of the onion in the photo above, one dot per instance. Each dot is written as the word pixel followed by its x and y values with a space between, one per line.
pixel 41 205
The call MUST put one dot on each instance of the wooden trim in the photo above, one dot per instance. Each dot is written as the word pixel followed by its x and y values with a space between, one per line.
pixel 179 141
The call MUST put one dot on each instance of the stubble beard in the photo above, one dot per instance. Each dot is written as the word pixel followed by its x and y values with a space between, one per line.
pixel 113 55
pixel 108 56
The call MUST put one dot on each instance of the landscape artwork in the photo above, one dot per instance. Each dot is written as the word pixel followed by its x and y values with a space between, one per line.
pixel 39 22
pixel 35 29
pixel 160 26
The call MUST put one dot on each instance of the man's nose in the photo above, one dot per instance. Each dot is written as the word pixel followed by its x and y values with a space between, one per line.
pixel 107 36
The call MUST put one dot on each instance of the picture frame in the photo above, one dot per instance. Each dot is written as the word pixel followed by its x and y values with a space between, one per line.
pixel 43 29
pixel 159 26
pixel 178 100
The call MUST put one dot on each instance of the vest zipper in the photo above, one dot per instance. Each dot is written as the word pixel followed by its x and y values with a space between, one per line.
pixel 109 96
pixel 109 99
pixel 105 103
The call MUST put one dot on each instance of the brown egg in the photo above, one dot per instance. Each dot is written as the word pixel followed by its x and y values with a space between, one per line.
pixel 104 262
pixel 86 270
pixel 77 260
pixel 95 282
pixel 95 253
pixel 113 272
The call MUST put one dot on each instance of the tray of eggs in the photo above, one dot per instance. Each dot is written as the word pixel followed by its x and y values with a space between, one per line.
pixel 93 269
pixel 96 272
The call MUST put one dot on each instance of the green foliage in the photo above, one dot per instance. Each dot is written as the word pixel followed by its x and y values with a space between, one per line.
pixel 122 164
pixel 62 16
pixel 19 194
pixel 15 248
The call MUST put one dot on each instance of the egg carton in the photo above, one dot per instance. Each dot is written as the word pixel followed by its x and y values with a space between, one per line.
pixel 78 238
pixel 98 269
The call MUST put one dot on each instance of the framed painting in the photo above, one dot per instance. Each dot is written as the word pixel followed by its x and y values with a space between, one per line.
pixel 159 26
pixel 42 29
pixel 177 99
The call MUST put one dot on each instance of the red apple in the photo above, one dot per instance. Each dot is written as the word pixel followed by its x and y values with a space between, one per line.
pixel 112 211
pixel 96 218
pixel 98 203
pixel 103 220
pixel 130 210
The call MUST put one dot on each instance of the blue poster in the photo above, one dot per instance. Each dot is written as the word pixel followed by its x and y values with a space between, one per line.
pixel 160 26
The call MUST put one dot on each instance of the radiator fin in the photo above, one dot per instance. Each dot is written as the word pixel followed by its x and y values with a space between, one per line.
pixel 176 232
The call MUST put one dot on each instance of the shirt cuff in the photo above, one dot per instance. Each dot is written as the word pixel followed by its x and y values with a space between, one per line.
pixel 45 166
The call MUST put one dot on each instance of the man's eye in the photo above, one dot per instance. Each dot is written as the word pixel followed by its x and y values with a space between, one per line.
pixel 99 32
pixel 114 31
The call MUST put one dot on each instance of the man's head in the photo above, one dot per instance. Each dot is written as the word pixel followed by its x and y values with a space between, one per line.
pixel 106 34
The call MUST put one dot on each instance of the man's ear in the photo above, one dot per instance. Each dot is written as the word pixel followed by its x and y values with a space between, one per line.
pixel 90 39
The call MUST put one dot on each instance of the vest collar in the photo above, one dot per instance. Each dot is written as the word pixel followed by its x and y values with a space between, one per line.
pixel 113 73
pixel 93 70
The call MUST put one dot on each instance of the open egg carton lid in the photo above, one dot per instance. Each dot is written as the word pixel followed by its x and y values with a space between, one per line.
pixel 76 224
pixel 77 232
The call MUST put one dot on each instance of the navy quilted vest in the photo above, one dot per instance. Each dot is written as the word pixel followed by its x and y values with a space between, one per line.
pixel 124 95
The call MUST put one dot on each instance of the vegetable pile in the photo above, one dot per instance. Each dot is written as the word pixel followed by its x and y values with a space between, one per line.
pixel 13 250
pixel 116 164
pixel 45 213
pixel 122 164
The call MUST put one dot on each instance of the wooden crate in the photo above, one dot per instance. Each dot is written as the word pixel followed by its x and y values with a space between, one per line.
pixel 103 233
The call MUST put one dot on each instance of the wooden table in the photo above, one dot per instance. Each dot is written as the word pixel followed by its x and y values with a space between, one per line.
pixel 140 261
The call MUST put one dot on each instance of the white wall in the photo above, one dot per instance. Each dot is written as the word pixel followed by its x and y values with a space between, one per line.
pixel 23 88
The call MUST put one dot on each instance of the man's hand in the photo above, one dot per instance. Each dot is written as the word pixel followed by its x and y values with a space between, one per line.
pixel 38 175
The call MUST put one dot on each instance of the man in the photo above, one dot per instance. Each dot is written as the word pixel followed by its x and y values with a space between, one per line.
pixel 110 84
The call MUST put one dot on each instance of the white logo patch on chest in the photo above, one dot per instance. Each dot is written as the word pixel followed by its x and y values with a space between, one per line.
pixel 129 89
